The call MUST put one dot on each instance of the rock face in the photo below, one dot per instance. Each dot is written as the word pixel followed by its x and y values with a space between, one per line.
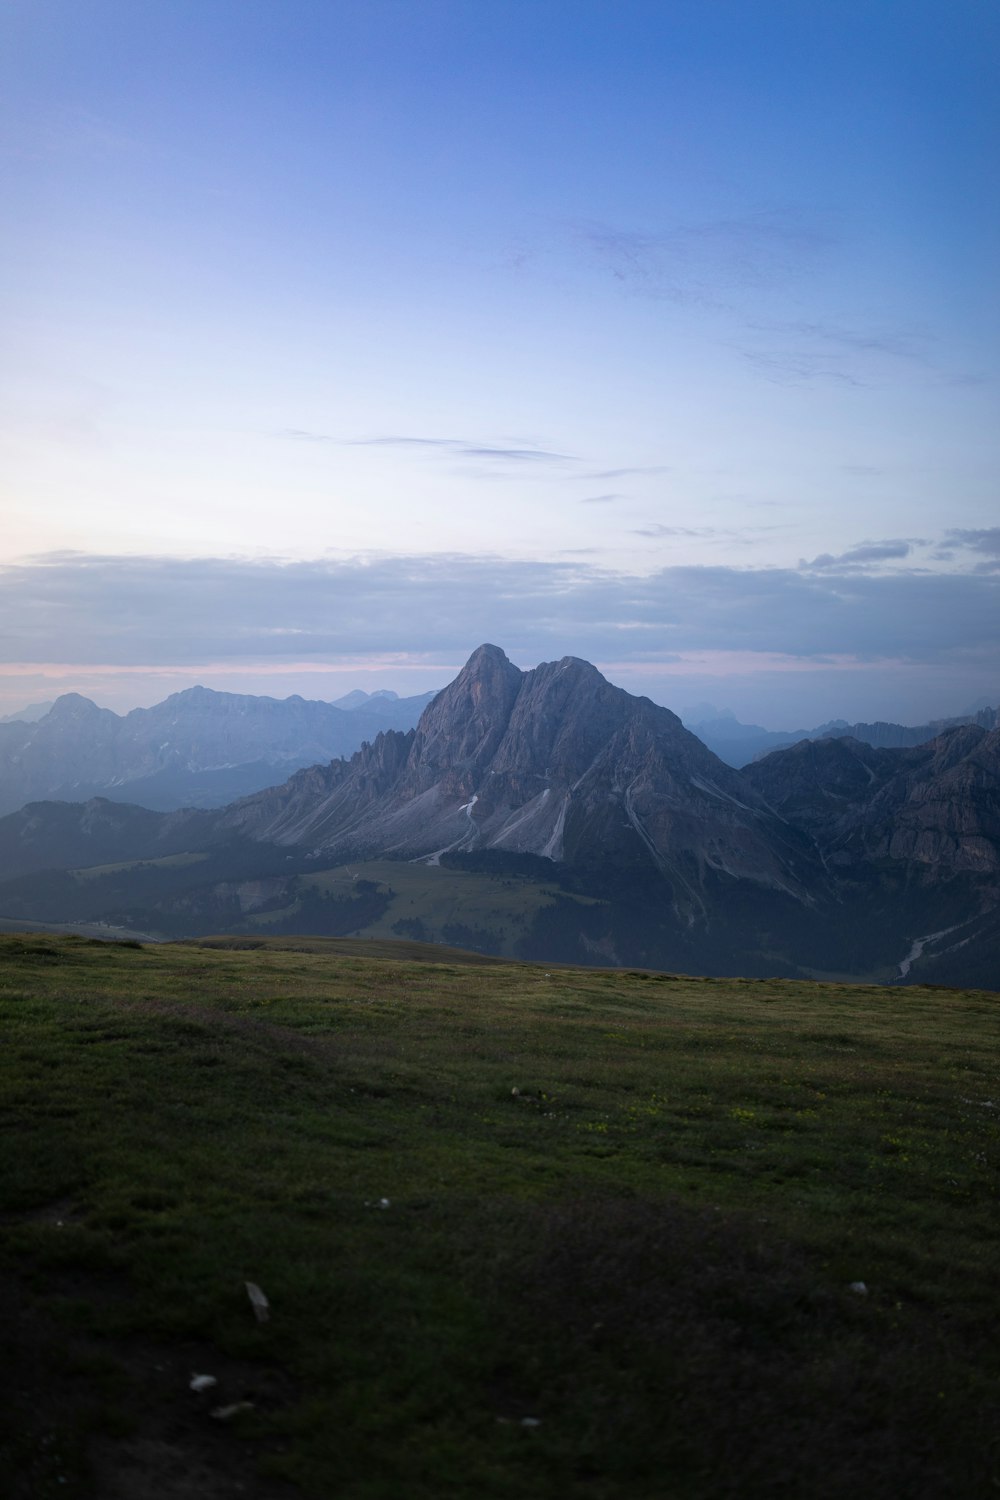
pixel 934 807
pixel 198 747
pixel 554 762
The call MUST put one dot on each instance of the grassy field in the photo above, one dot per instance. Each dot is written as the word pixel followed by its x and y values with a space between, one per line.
pixel 438 898
pixel 166 862
pixel 523 1232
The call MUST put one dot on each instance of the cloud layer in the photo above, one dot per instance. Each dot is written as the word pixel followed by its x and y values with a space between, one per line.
pixel 79 609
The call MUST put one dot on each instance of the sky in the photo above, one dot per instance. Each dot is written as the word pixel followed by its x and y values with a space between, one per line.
pixel 340 336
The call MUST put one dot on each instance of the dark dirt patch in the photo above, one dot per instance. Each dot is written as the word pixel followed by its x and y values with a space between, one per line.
pixel 109 1419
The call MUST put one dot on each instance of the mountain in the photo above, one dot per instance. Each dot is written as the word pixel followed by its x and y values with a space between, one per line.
pixel 197 748
pixel 547 814
pixel 555 762
pixel 388 708
pixel 896 736
pixel 47 835
pixel 739 744
pixel 913 835
pixel 29 715
pixel 934 808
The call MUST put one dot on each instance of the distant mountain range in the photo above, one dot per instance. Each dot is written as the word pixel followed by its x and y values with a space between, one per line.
pixel 201 748
pixel 579 823
pixel 739 744
pixel 28 715
pixel 198 748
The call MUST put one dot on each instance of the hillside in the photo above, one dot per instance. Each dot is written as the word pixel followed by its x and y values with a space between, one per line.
pixel 522 1232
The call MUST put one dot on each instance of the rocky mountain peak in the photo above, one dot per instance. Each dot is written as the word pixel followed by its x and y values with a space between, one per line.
pixel 462 727
pixel 74 706
pixel 556 762
pixel 486 664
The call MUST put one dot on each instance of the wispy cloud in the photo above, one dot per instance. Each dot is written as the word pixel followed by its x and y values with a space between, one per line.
pixel 792 352
pixel 624 473
pixel 986 539
pixel 731 267
pixel 657 530
pixel 707 262
pixel 906 344
pixel 864 556
pixel 452 447
pixel 519 455
pixel 463 448
pixel 799 366
pixel 600 499
pixel 396 441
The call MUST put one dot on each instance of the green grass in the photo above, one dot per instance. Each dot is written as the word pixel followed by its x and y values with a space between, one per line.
pixel 503 905
pixel 165 862
pixel 629 1206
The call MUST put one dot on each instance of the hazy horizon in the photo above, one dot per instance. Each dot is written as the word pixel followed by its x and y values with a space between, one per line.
pixel 423 680
pixel 342 338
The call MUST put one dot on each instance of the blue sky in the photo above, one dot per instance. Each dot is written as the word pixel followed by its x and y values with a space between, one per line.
pixel 342 337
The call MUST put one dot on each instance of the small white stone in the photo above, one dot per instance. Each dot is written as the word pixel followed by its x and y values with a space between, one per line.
pixel 859 1287
pixel 258 1301
pixel 530 1422
pixel 226 1413
pixel 203 1382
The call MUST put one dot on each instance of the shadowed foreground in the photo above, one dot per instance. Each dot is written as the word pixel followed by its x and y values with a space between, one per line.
pixel 522 1232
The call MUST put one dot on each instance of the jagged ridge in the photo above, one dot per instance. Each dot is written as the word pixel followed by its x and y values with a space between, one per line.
pixel 554 762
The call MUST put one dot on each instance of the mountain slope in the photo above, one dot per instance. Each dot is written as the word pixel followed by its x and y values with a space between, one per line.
pixel 59 835
pixel 934 807
pixel 913 837
pixel 554 762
